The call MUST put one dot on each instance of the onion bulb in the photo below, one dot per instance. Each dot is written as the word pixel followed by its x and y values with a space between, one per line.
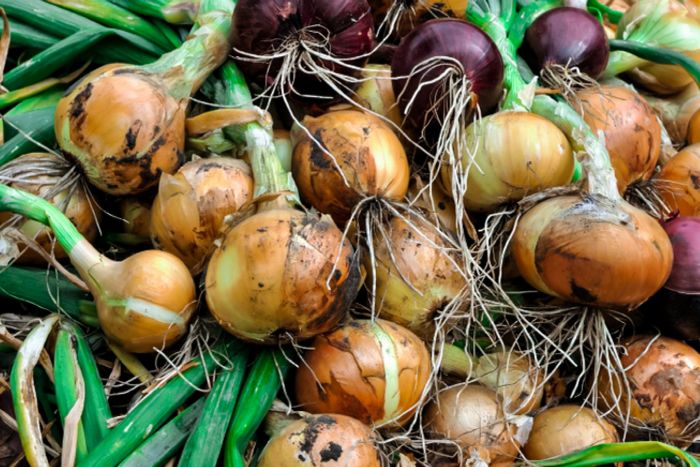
pixel 678 182
pixel 663 390
pixel 136 214
pixel 190 207
pixel 125 125
pixel 363 147
pixel 416 273
pixel 632 131
pixel 143 302
pixel 509 155
pixel 401 16
pixel 54 179
pixel 680 114
pixel 591 250
pixel 376 93
pixel 322 440
pixel 471 416
pixel 432 201
pixel 566 429
pixel 374 371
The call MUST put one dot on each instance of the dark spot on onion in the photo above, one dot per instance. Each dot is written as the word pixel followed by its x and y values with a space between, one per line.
pixel 77 109
pixel 582 293
pixel 331 452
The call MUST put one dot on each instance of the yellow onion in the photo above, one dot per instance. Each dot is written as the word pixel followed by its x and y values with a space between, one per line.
pixel 678 182
pixel 680 114
pixel 283 145
pixel 409 13
pixel 416 270
pixel 190 207
pixel 54 179
pixel 632 131
pixel 514 154
pixel 374 371
pixel 328 440
pixel 369 154
pixel 471 416
pixel 433 202
pixel 664 386
pixel 566 429
pixel 592 250
pixel 376 92
pixel 136 214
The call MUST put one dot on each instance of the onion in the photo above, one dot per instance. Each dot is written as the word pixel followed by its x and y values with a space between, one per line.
pixel 364 148
pixel 322 440
pixel 189 209
pixel 512 154
pixel 53 178
pixel 136 214
pixel 567 47
pixel 374 371
pixel 631 129
pixel 125 125
pixel 471 416
pixel 376 93
pixel 664 387
pixel 566 429
pixel 432 201
pixel 678 182
pixel 415 271
pixel 300 46
pixel 680 114
pixel 401 16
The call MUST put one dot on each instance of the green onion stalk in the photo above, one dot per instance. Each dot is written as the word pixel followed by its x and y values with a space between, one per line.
pixel 125 125
pixel 171 11
pixel 278 245
pixel 143 302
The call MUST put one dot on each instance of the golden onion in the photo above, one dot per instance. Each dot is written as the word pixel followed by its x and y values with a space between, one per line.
pixel 376 93
pixel 322 440
pixel 364 148
pixel 190 207
pixel 374 371
pixel 432 201
pixel 409 13
pixel 136 214
pixel 471 416
pixel 49 176
pixel 565 429
pixel 678 182
pixel 630 127
pixel 514 154
pixel 680 114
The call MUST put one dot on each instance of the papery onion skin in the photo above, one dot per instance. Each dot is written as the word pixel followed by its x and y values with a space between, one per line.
pixel 515 379
pixel 565 429
pixel 267 282
pixel 678 182
pixel 632 131
pixel 260 27
pixel 592 251
pixel 437 206
pixel 74 201
pixel 351 368
pixel 327 440
pixel 515 153
pixel 416 274
pixel 189 210
pixel 137 216
pixel 569 37
pixel 473 49
pixel 127 152
pixel 665 386
pixel 376 93
pixel 367 151
pixel 471 416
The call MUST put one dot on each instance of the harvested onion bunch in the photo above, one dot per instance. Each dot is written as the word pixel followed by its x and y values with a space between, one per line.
pixel 56 180
pixel 190 207
pixel 143 302
pixel 374 371
pixel 320 440
pixel 678 182
pixel 280 274
pixel 125 125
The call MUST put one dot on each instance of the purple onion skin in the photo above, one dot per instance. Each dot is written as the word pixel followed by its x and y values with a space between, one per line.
pixel 454 38
pixel 567 36
pixel 261 26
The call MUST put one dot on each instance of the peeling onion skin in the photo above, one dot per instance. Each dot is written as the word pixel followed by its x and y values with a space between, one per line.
pixel 349 365
pixel 515 379
pixel 368 152
pixel 266 283
pixel 592 251
pixel 471 416
pixel 126 153
pixel 328 440
pixel 407 262
pixel 632 131
pixel 565 429
pixel 665 386
pixel 678 182
pixel 189 209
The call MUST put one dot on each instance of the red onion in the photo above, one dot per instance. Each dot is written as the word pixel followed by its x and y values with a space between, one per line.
pixel 569 37
pixel 295 38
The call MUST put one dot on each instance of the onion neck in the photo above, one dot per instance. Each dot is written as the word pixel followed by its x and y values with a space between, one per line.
pixel 185 68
